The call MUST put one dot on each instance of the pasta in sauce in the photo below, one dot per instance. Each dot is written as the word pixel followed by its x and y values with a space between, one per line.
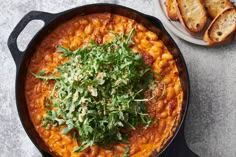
pixel 76 33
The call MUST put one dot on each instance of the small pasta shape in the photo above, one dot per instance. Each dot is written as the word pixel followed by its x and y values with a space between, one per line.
pixel 88 29
pixel 94 151
pixel 167 56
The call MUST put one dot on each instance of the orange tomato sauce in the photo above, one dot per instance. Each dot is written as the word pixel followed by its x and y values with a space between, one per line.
pixel 76 33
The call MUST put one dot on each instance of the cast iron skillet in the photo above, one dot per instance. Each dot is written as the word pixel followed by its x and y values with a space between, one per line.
pixel 175 147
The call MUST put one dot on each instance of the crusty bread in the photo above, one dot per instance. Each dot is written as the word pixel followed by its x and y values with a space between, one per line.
pixel 216 7
pixel 222 28
pixel 192 15
pixel 172 9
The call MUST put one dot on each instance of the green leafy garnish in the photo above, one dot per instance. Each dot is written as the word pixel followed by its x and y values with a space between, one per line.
pixel 99 92
pixel 126 153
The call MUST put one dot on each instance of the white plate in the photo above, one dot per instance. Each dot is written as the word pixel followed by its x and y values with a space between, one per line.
pixel 175 27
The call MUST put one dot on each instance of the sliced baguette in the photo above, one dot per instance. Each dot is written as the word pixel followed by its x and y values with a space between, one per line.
pixel 192 15
pixel 172 9
pixel 222 28
pixel 216 7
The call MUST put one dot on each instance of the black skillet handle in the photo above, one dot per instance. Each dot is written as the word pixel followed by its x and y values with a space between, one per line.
pixel 179 147
pixel 12 40
pixel 182 148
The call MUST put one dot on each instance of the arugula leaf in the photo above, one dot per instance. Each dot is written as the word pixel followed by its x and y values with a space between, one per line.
pixel 66 130
pixel 66 52
pixel 126 153
pixel 41 74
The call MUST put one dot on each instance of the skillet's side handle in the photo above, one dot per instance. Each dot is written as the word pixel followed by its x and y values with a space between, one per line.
pixel 181 148
pixel 12 40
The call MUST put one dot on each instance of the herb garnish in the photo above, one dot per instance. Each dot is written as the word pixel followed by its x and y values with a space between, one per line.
pixel 126 153
pixel 99 92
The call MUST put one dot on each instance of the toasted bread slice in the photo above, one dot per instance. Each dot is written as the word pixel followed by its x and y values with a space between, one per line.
pixel 171 8
pixel 222 28
pixel 192 15
pixel 216 7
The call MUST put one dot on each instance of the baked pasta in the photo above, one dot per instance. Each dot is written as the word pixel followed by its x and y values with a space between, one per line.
pixel 77 33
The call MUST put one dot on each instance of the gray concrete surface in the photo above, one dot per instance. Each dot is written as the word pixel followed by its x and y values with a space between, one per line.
pixel 211 120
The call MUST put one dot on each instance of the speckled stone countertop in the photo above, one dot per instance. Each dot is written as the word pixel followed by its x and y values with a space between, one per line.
pixel 211 120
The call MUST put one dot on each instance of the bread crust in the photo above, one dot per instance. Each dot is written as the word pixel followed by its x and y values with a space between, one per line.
pixel 216 7
pixel 228 35
pixel 192 15
pixel 171 9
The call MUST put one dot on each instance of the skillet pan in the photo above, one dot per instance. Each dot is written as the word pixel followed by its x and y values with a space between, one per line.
pixel 175 147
